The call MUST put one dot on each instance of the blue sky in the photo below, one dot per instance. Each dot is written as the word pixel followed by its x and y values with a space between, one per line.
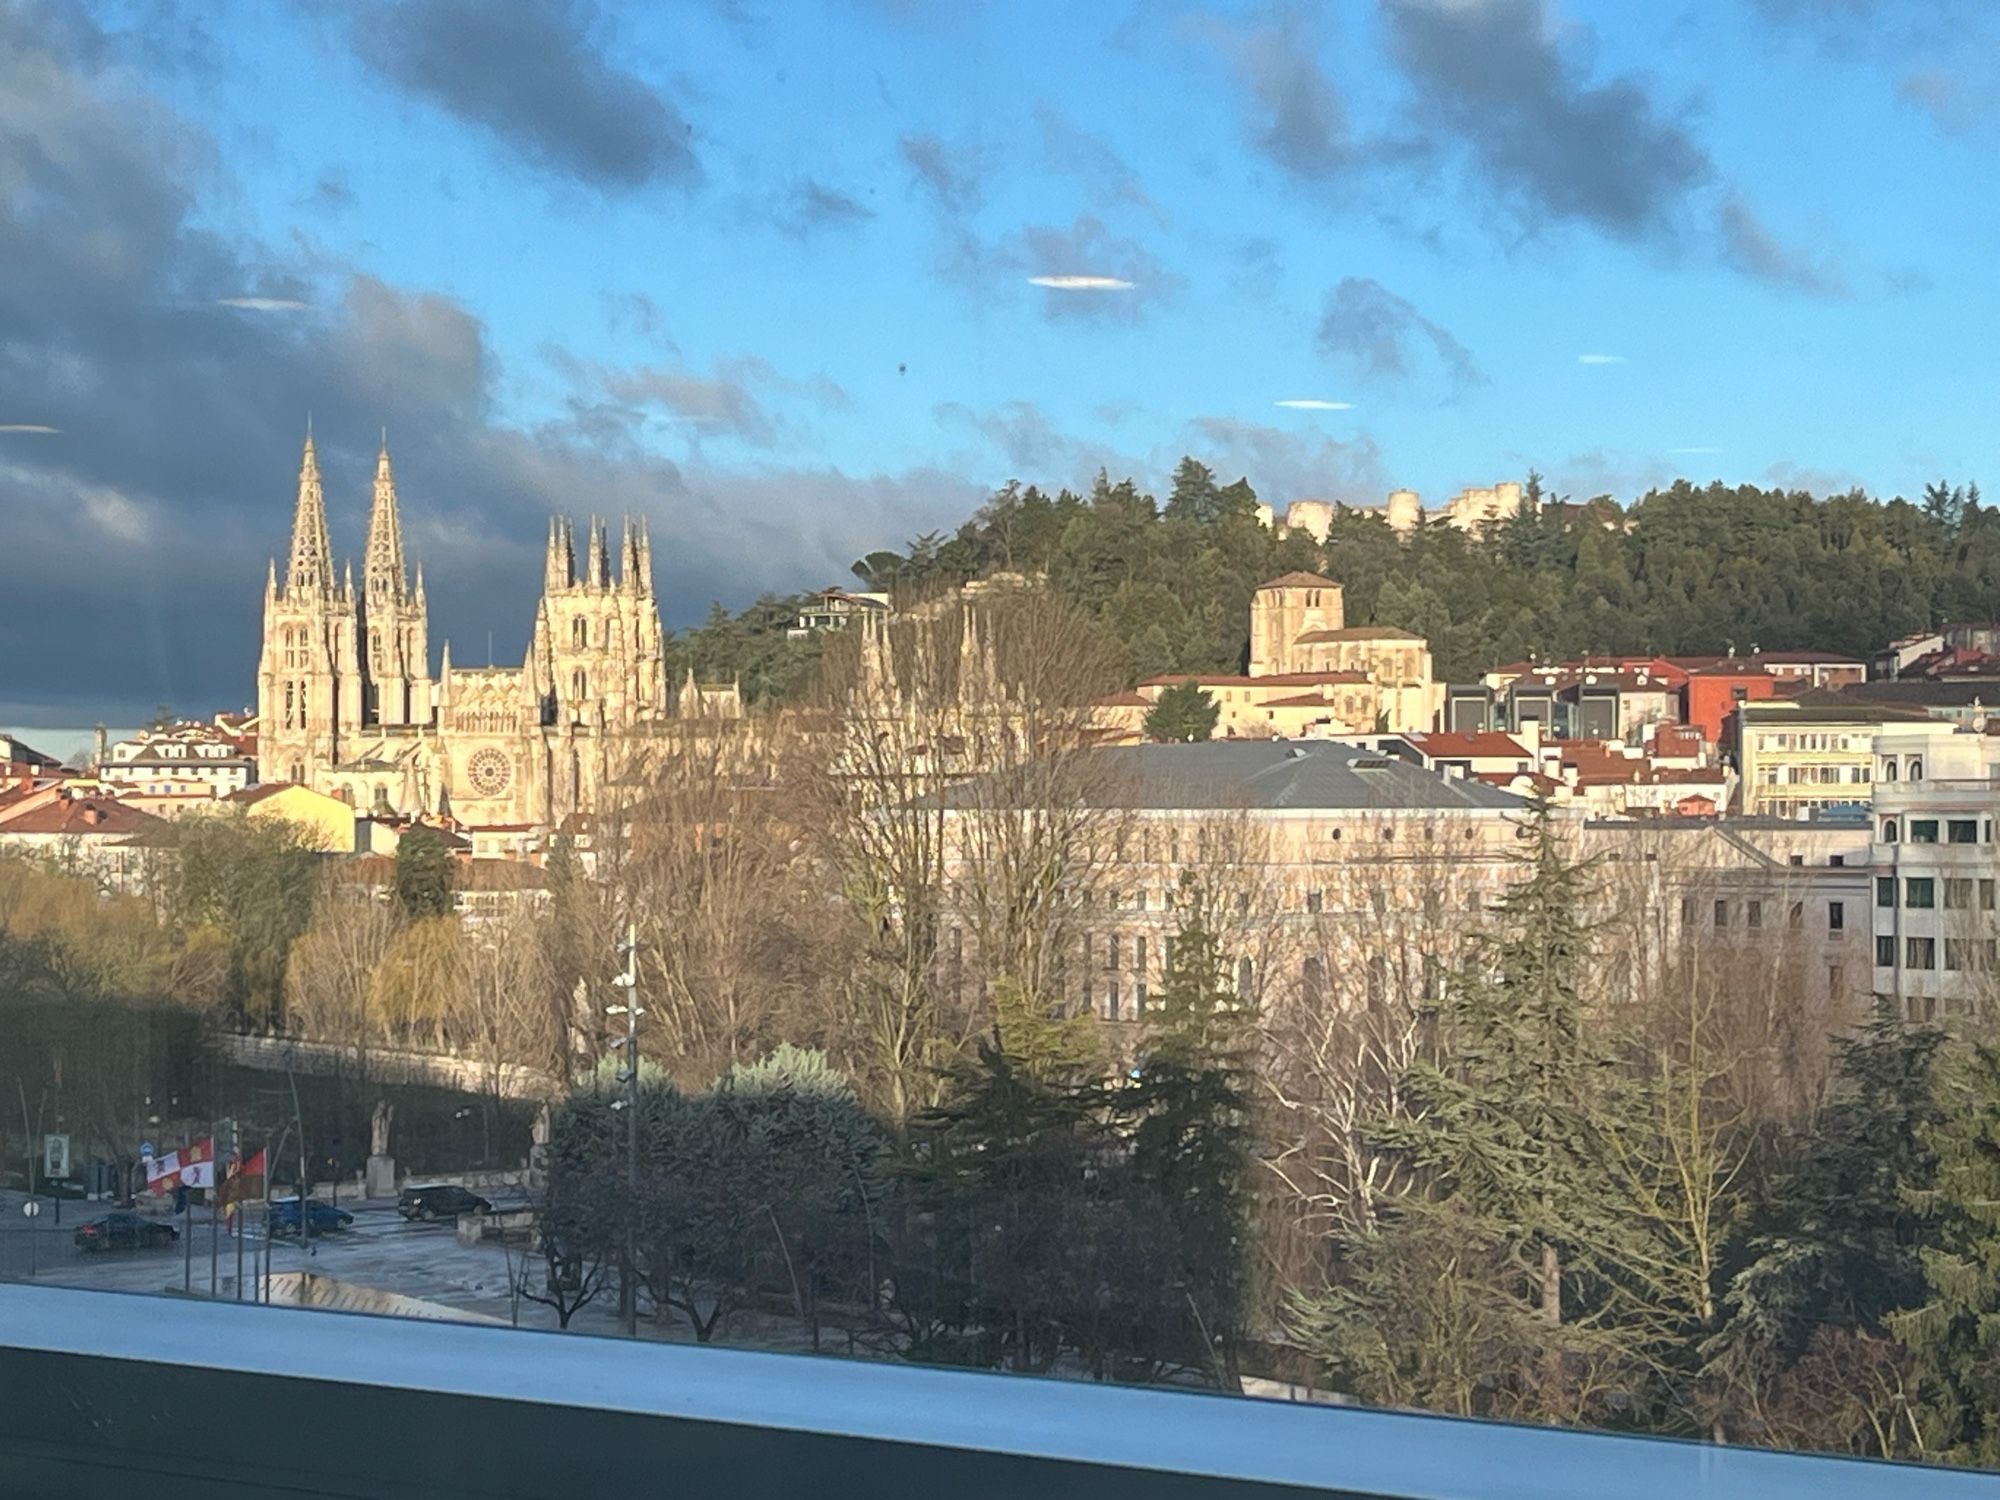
pixel 764 273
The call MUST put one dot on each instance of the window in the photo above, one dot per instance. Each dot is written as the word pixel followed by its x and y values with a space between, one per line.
pixel 1920 953
pixel 1885 953
pixel 1687 911
pixel 1246 977
pixel 1836 980
pixel 1837 860
pixel 1753 914
pixel 1314 902
pixel 1920 892
pixel 1957 894
pixel 1721 915
pixel 1888 770
pixel 1954 953
pixel 1962 831
pixel 1111 953
pixel 1836 916
pixel 1888 830
pixel 1885 890
pixel 1923 830
pixel 1312 981
pixel 1796 917
pixel 579 632
pixel 1797 859
pixel 1916 769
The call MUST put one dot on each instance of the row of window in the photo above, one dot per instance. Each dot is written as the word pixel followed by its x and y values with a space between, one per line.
pixel 1794 740
pixel 1753 914
pixel 1920 892
pixel 1925 830
pixel 1982 954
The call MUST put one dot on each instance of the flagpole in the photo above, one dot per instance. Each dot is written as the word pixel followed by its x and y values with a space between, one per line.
pixel 235 1213
pixel 187 1228
pixel 214 1187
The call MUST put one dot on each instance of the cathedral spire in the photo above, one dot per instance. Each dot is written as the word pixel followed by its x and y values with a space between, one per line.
pixel 599 567
pixel 384 579
pixel 645 557
pixel 311 570
pixel 559 567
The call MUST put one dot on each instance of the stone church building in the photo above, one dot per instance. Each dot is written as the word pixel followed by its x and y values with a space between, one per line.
pixel 347 703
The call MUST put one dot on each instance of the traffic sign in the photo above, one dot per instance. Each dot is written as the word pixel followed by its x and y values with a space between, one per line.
pixel 31 1208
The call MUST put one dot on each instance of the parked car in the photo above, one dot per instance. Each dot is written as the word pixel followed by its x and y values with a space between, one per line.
pixel 283 1218
pixel 123 1231
pixel 442 1201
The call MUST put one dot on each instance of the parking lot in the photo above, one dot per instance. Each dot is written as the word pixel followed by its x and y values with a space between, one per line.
pixel 380 1250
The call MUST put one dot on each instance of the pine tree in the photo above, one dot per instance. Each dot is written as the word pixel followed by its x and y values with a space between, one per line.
pixel 423 877
pixel 1192 1143
pixel 1503 1133
pixel 1184 714
pixel 1954 1333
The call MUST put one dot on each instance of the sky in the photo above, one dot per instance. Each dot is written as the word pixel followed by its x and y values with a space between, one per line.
pixel 802 280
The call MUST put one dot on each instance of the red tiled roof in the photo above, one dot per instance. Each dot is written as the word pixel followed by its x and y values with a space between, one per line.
pixel 263 791
pixel 83 817
pixel 1273 679
pixel 1480 744
pixel 1303 700
pixel 1298 579
pixel 1360 633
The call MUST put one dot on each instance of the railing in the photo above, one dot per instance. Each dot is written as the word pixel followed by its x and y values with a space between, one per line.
pixel 107 1392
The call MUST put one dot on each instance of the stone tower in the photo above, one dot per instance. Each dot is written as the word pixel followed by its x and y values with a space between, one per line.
pixel 597 646
pixel 309 678
pixel 394 619
pixel 1283 610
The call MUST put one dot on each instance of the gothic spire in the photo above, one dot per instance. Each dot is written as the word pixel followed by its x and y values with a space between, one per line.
pixel 384 579
pixel 645 557
pixel 599 567
pixel 311 570
pixel 559 567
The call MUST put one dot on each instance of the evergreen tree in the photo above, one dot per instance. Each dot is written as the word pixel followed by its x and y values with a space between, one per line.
pixel 1954 1333
pixel 1183 714
pixel 1503 1133
pixel 1192 1143
pixel 1837 1243
pixel 423 875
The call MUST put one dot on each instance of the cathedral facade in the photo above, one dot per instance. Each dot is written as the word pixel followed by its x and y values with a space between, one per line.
pixel 347 703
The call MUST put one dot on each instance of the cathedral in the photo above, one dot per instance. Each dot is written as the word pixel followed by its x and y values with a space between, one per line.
pixel 347 704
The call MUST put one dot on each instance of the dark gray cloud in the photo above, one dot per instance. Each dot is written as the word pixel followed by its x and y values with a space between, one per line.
pixel 1377 334
pixel 811 206
pixel 530 73
pixel 1296 116
pixel 1491 79
pixel 1034 448
pixel 953 177
pixel 1751 248
pixel 137 532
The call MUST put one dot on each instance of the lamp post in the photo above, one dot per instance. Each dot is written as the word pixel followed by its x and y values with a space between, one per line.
pixel 628 981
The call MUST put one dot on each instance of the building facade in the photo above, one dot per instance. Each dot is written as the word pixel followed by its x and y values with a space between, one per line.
pixel 1936 865
pixel 348 705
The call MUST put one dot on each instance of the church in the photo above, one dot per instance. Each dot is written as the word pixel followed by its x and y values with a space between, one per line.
pixel 347 702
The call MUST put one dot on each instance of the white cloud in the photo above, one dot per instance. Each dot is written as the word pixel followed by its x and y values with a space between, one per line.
pixel 115 515
pixel 1081 283
pixel 263 304
pixel 33 427
pixel 1313 403
pixel 1600 359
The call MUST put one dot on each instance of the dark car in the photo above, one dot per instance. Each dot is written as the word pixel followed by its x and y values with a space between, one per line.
pixel 444 1201
pixel 283 1218
pixel 122 1231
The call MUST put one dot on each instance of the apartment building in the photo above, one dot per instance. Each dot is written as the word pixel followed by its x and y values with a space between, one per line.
pixel 1801 756
pixel 1936 927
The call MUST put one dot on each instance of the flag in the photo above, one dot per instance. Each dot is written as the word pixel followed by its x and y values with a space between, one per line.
pixel 163 1172
pixel 244 1182
pixel 198 1165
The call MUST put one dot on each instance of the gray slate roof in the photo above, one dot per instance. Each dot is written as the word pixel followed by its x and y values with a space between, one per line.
pixel 1271 775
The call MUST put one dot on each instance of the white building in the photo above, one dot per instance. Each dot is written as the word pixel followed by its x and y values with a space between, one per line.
pixel 1937 933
